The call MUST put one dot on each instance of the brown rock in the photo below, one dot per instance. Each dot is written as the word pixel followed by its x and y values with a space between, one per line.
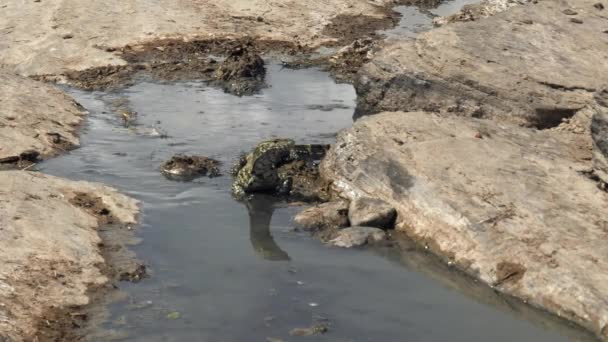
pixel 323 216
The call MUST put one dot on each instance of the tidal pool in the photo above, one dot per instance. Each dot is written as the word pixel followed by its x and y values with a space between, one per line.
pixel 224 271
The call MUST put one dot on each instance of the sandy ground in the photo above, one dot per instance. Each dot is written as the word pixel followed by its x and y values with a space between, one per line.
pixel 53 36
pixel 51 254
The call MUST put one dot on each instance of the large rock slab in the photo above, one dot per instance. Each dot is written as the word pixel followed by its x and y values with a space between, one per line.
pixel 57 36
pixel 505 204
pixel 35 116
pixel 50 248
pixel 525 65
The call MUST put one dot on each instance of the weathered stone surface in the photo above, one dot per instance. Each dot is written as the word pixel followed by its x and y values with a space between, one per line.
pixel 323 216
pixel 476 11
pixel 57 36
pixel 371 212
pixel 50 247
pixel 505 204
pixel 35 117
pixel 357 236
pixel 523 65
pixel 599 134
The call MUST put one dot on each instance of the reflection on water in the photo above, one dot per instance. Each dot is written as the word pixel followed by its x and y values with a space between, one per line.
pixel 260 210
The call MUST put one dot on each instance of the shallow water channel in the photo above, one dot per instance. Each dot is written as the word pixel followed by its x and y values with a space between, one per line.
pixel 223 271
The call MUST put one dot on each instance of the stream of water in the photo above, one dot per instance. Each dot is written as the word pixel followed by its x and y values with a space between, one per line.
pixel 223 271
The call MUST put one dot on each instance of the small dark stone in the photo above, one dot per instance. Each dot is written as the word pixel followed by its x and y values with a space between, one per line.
pixel 599 6
pixel 186 168
pixel 576 20
pixel 569 11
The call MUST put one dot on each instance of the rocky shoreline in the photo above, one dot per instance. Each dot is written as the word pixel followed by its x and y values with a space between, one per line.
pixel 502 173
pixel 482 146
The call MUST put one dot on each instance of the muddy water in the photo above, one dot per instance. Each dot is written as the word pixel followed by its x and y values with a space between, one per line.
pixel 223 271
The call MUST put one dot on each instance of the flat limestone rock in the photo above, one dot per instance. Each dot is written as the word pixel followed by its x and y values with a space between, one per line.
pixel 46 238
pixel 35 116
pixel 57 36
pixel 357 236
pixel 371 212
pixel 506 204
pixel 524 65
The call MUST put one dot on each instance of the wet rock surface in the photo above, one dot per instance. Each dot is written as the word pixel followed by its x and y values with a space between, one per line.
pixel 36 121
pixel 371 212
pixel 51 252
pixel 280 167
pixel 505 204
pixel 499 67
pixel 183 167
pixel 242 72
pixel 323 216
pixel 357 236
